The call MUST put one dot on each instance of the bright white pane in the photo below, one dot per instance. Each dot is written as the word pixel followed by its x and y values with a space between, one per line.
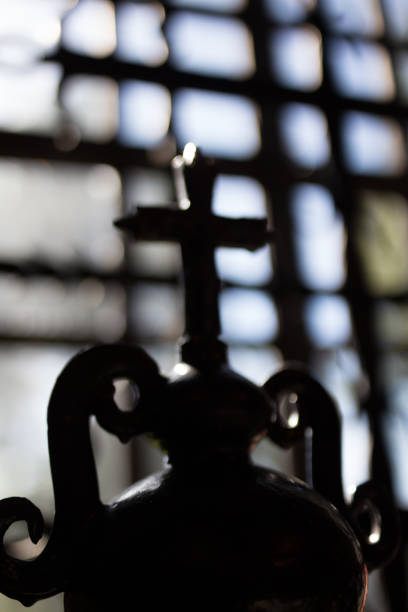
pixel 90 28
pixel 248 316
pixel 147 186
pixel 289 11
pixel 214 5
pixel 305 135
pixel 144 113
pixel 140 38
pixel 238 196
pixel 223 125
pixel 47 308
pixel 256 363
pixel 31 101
pixel 296 57
pixel 230 52
pixel 60 213
pixel 244 267
pixel 372 144
pixel 320 237
pixel 26 390
pixel 328 320
pixel 161 259
pixel 157 312
pixel 92 104
pixel 28 29
pixel 362 69
pixel 363 17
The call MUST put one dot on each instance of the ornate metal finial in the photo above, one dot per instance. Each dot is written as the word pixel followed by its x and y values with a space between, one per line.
pixel 212 531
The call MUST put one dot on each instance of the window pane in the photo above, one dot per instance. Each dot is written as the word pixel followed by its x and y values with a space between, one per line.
pixel 92 104
pixel 144 113
pixel 401 67
pixel 319 237
pixel 29 30
pixel 60 213
pixel 362 70
pixel 382 237
pixel 159 259
pixel 140 38
pixel 48 308
pixel 392 324
pixel 223 125
pixel 396 18
pixel 144 186
pixel 31 101
pixel 230 53
pixel 247 316
pixel 349 17
pixel 328 320
pixel 98 40
pixel 304 135
pixel 157 312
pixel 238 196
pixel 24 459
pixel 147 186
pixel 296 57
pixel 214 5
pixel 394 423
pixel 340 372
pixel 244 267
pixel 289 11
pixel 26 391
pixel 256 363
pixel 372 144
pixel 165 354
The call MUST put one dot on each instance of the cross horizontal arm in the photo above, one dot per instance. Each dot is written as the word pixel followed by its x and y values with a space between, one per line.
pixel 164 223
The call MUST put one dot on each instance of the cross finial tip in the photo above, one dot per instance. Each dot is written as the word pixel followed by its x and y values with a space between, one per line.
pixel 190 153
pixel 187 158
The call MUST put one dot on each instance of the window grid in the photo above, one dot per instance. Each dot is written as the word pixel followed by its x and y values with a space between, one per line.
pixel 321 105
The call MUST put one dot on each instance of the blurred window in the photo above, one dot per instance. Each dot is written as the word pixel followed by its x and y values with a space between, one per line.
pixel 302 106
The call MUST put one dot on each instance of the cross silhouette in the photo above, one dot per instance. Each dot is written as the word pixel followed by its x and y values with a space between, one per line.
pixel 191 222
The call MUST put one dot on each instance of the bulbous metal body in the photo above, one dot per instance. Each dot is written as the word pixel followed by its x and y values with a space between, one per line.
pixel 225 535
pixel 212 532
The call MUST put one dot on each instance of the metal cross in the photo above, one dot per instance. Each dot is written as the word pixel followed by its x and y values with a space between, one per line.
pixel 191 222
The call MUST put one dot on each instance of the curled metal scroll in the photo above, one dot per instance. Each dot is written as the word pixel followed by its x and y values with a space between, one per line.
pixel 371 512
pixel 84 388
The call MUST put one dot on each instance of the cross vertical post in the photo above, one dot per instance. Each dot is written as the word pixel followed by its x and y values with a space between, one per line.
pixel 194 179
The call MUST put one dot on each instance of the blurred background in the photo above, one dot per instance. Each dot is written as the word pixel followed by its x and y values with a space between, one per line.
pixel 303 105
